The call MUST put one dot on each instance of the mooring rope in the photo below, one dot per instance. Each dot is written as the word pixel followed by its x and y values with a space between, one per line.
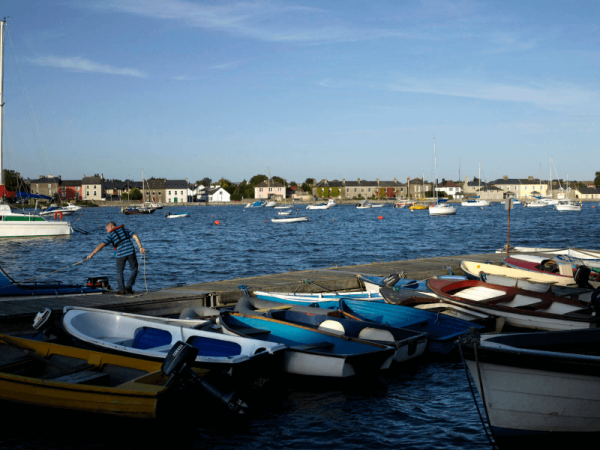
pixel 49 273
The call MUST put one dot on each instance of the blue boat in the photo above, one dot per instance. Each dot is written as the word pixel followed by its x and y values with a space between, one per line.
pixel 313 352
pixel 373 284
pixel 12 288
pixel 257 204
pixel 443 330
pixel 408 344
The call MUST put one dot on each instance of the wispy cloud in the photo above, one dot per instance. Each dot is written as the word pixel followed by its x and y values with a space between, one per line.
pixel 78 64
pixel 182 78
pixel 549 95
pixel 505 42
pixel 229 65
pixel 264 20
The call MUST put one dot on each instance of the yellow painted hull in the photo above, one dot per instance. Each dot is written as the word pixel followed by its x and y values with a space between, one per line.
pixel 137 397
pixel 419 207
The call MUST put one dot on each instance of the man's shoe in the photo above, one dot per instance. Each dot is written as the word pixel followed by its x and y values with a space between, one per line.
pixel 120 293
pixel 129 290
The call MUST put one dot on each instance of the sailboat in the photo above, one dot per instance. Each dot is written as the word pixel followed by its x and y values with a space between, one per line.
pixel 18 224
pixel 439 209
pixel 420 206
pixel 550 200
pixel 479 201
pixel 568 204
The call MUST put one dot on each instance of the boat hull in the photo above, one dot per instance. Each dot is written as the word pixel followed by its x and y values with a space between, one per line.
pixel 31 228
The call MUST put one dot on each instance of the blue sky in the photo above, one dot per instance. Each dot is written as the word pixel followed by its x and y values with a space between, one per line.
pixel 327 89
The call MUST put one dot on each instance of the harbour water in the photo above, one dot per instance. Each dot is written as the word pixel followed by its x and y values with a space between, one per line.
pixel 422 405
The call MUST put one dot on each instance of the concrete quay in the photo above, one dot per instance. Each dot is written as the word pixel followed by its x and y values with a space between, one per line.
pixel 16 315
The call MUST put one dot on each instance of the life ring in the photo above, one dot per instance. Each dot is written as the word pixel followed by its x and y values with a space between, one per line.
pixel 58 214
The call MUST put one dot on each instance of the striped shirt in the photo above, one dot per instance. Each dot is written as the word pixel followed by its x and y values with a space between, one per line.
pixel 120 238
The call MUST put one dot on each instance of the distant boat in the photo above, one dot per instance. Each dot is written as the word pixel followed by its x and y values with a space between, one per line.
pixel 568 205
pixel 256 204
pixel 478 201
pixel 53 210
pixel 271 204
pixel 290 219
pixel 439 209
pixel 133 211
pixel 320 206
pixel 177 216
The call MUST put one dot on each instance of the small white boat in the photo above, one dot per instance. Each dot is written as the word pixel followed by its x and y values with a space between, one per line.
pixel 53 210
pixel 284 213
pixel 535 204
pixel 319 206
pixel 442 209
pixel 290 219
pixel 72 207
pixel 177 216
pixel 271 204
pixel 283 207
pixel 332 202
pixel 568 205
pixel 479 202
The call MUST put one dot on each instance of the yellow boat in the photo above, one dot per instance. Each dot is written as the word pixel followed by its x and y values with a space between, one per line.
pixel 419 207
pixel 52 375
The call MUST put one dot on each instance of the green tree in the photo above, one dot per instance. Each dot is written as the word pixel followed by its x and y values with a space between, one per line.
pixel 135 194
pixel 256 179
pixel 293 184
pixel 310 181
pixel 206 182
pixel 306 187
pixel 597 180
pixel 280 180
pixel 14 182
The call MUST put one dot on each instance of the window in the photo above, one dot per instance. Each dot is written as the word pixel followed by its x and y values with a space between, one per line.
pixel 182 193
pixel 49 186
pixel 260 189
pixel 525 187
pixel 64 189
pixel 94 186
pixel 169 192
pixel 94 192
pixel 158 192
pixel 64 195
pixel 77 188
pixel 516 188
pixel 88 193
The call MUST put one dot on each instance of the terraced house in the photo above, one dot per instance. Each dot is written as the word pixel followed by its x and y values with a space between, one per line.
pixel 46 185
pixel 93 188
pixel 522 188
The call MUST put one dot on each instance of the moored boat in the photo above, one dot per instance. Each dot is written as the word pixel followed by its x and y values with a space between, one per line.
pixel 177 216
pixel 520 308
pixel 443 330
pixel 290 219
pixel 540 389
pixel 313 352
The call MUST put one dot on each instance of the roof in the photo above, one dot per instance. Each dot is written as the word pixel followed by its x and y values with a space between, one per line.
pixel 270 184
pixel 332 183
pixel 588 190
pixel 361 183
pixel 212 191
pixel 46 180
pixel 157 183
pixel 449 184
pixel 70 183
pixel 490 188
pixel 92 180
pixel 176 184
pixel 519 181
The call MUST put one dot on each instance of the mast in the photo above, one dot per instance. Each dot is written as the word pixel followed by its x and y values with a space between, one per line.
pixel 550 176
pixel 2 26
pixel 436 174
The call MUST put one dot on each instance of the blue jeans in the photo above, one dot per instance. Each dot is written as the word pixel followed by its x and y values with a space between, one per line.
pixel 133 265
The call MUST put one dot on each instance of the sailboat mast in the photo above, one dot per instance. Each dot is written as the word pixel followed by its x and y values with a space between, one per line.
pixel 436 174
pixel 2 26
pixel 550 176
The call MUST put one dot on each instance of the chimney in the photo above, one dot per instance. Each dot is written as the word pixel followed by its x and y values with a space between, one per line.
pixel 102 176
pixel 530 177
pixel 395 180
pixel 466 179
pixel 60 177
pixel 359 180
pixel 505 177
pixel 377 182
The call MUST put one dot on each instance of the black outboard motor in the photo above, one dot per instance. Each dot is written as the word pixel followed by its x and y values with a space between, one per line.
pixel 582 277
pixel 178 365
pixel 390 280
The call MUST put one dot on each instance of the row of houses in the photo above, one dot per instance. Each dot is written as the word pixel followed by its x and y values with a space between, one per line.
pixel 97 188
pixel 520 188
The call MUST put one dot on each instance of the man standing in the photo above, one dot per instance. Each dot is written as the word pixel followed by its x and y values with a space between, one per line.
pixel 120 239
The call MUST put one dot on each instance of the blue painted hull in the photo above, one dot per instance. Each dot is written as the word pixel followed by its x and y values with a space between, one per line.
pixel 313 345
pixel 10 289
pixel 443 330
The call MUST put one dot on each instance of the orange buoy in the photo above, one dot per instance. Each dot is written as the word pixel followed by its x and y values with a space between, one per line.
pixel 217 222
pixel 380 217
pixel 265 221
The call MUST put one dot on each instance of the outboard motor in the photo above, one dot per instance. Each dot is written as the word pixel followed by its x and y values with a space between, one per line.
pixel 582 277
pixel 178 366
pixel 391 280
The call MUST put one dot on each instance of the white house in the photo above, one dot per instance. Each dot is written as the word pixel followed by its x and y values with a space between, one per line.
pixel 194 192
pixel 214 194
pixel 176 191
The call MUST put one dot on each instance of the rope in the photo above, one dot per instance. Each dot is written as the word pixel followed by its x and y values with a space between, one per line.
pixel 49 273
pixel 483 421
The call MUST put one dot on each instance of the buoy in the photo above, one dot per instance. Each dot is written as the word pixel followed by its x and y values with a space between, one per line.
pixel 334 220
pixel 217 222
pixel 265 221
pixel 78 219
pixel 380 217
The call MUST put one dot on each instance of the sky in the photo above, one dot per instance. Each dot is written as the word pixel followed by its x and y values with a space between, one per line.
pixel 302 89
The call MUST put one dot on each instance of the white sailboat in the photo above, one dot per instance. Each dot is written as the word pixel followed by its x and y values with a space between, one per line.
pixel 568 204
pixel 18 224
pixel 439 209
pixel 479 201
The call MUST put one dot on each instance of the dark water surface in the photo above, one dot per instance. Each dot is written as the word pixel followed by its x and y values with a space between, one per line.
pixel 422 405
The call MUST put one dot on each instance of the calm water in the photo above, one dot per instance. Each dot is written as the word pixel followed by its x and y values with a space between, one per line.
pixel 424 405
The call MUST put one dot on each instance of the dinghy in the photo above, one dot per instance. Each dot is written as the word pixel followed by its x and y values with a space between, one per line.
pixel 473 269
pixel 284 213
pixel 443 330
pixel 545 265
pixel 320 206
pixel 177 216
pixel 540 389
pixel 426 303
pixel 373 283
pixel 283 207
pixel 56 376
pixel 408 344
pixel 290 219
pixel 152 338
pixel 322 299
pixel 313 352
pixel 523 309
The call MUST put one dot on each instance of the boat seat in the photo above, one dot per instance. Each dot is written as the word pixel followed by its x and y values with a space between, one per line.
pixel 148 337
pixel 214 347
pixel 249 331
pixel 17 365
pixel 67 371
pixel 315 346
pixel 85 377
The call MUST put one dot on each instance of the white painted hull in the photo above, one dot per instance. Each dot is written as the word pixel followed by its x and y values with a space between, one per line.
pixel 177 216
pixel 65 212
pixel 34 229
pixel 568 207
pixel 539 401
pixel 442 210
pixel 283 207
pixel 318 207
pixel 290 220
pixel 535 205
pixel 476 203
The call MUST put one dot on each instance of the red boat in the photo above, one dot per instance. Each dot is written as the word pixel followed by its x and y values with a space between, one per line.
pixel 546 266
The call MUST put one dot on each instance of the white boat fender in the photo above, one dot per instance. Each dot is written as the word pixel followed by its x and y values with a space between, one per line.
pixel 41 318
pixel 333 327
pixel 375 334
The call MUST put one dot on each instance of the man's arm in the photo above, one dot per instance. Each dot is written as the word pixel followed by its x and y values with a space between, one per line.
pixel 139 243
pixel 96 250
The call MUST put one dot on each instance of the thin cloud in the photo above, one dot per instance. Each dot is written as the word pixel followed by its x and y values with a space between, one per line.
pixel 78 64
pixel 262 20
pixel 182 78
pixel 229 65
pixel 551 96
